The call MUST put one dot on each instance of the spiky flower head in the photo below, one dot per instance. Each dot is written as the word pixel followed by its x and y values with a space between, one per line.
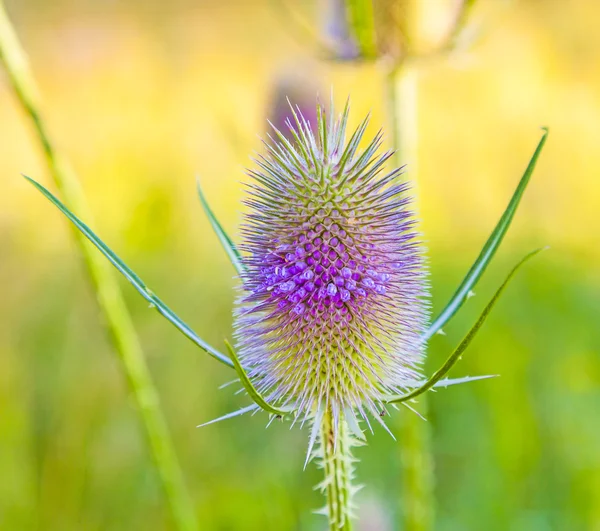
pixel 335 297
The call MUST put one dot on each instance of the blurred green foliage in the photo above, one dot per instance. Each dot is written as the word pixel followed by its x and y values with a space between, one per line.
pixel 145 95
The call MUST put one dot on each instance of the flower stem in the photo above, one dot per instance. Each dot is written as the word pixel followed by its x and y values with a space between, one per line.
pixel 117 319
pixel 401 101
pixel 337 462
pixel 417 472
pixel 418 507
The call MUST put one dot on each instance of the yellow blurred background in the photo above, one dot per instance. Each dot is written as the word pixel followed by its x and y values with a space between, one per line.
pixel 143 96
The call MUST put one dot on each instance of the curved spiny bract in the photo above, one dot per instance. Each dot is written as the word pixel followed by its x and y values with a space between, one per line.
pixel 334 297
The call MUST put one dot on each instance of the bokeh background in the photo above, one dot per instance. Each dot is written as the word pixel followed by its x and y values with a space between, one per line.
pixel 143 96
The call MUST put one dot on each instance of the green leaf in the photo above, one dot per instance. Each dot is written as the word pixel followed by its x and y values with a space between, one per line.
pixel 228 245
pixel 455 356
pixel 361 18
pixel 252 391
pixel 136 281
pixel 488 251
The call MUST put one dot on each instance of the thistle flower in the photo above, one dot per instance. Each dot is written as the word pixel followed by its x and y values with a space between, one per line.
pixel 334 297
pixel 330 321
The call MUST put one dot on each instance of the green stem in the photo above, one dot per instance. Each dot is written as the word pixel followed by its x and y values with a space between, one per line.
pixel 337 465
pixel 417 471
pixel 417 480
pixel 117 319
pixel 401 102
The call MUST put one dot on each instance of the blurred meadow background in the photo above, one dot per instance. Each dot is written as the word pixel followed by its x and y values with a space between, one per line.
pixel 143 96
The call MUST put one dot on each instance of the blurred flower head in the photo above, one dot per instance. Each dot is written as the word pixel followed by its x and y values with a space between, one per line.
pixel 335 297
pixel 296 85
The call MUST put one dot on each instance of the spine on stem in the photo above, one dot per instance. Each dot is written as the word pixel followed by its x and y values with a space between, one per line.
pixel 338 464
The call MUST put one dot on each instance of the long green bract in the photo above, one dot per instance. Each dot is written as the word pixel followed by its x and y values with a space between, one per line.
pixel 132 277
pixel 488 251
pixel 455 356
pixel 250 389
pixel 228 245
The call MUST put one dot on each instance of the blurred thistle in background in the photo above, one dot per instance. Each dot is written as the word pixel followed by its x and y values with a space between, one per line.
pixel 300 87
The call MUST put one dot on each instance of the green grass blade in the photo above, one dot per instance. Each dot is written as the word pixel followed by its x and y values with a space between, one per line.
pixel 489 249
pixel 455 356
pixel 117 320
pixel 249 386
pixel 228 245
pixel 116 317
pixel 135 280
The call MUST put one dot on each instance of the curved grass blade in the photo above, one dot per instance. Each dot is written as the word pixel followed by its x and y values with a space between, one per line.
pixel 228 245
pixel 252 391
pixel 455 356
pixel 489 249
pixel 136 281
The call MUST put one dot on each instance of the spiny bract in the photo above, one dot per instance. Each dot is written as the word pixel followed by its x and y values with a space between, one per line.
pixel 334 297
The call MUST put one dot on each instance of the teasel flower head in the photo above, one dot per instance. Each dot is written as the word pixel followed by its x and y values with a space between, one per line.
pixel 330 322
pixel 335 294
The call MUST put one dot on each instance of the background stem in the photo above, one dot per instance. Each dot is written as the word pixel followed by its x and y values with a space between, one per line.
pixel 116 316
pixel 418 506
